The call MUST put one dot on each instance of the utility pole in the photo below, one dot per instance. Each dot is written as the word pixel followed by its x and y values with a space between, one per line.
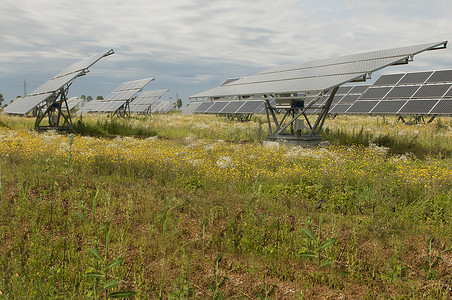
pixel 25 89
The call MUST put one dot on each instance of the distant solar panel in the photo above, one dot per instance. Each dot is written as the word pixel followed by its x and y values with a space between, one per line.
pixel 123 95
pixel 163 107
pixel 441 76
pixel 415 78
pixel 144 102
pixel 73 102
pixel 149 97
pixel 389 79
pixel 134 85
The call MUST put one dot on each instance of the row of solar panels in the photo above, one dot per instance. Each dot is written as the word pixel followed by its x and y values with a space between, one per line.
pixel 393 107
pixel 417 93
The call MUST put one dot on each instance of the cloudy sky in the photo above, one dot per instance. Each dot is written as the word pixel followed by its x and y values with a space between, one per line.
pixel 189 46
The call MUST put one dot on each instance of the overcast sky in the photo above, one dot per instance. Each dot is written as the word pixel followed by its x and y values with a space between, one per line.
pixel 189 46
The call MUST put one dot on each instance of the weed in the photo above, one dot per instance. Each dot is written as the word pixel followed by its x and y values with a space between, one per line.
pixel 317 245
pixel 431 263
pixel 218 281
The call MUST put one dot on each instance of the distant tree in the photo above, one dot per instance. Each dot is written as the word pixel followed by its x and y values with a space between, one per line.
pixel 83 97
pixel 89 98
pixel 179 103
pixel 99 98
pixel 1 99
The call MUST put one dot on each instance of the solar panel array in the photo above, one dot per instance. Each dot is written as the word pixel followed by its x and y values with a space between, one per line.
pixel 317 76
pixel 416 93
pixel 163 107
pixel 73 103
pixel 143 102
pixel 23 106
pixel 118 98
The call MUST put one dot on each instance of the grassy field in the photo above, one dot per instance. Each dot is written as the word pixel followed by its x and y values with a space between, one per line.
pixel 199 207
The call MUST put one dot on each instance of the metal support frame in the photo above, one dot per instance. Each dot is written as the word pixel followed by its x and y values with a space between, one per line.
pixel 59 116
pixel 419 119
pixel 239 117
pixel 123 111
pixel 312 131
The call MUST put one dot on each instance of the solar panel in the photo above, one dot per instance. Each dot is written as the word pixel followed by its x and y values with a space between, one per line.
pixel 432 91
pixel 55 84
pixel 361 107
pixel 358 89
pixel 134 85
pixel 336 98
pixel 190 108
pixel 415 78
pixel 349 99
pixel 24 105
pixel 448 94
pixel 232 107
pixel 163 107
pixel 343 90
pixel 90 106
pixel 375 93
pixel 402 92
pixel 120 95
pixel 320 75
pixel 441 76
pixel 216 107
pixel 203 107
pixel 390 79
pixel 388 107
pixel 83 64
pixel 73 102
pixel 249 107
pixel 149 97
pixel 339 108
pixel 418 107
pixel 443 107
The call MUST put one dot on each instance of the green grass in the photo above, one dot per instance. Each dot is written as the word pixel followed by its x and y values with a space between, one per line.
pixel 184 236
